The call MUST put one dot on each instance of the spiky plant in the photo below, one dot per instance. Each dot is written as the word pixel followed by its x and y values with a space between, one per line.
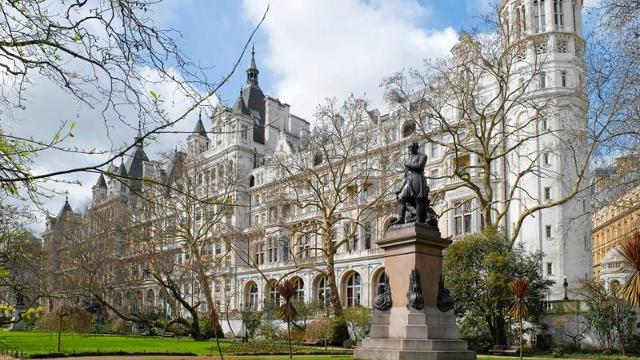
pixel 630 250
pixel 287 310
pixel 519 309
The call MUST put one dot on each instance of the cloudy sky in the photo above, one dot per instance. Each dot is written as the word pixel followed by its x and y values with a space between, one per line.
pixel 306 51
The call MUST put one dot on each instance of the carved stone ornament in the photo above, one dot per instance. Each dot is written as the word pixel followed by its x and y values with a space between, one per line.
pixel 414 295
pixel 383 300
pixel 444 302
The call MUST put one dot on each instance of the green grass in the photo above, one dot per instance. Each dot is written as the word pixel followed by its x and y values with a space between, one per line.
pixel 45 342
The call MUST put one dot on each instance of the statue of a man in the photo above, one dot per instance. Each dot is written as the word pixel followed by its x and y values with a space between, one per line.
pixel 414 191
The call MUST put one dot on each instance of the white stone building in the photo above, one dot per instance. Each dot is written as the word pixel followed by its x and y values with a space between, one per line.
pixel 257 126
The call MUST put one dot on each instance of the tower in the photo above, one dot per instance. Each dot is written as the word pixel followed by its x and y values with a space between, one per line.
pixel 251 101
pixel 197 142
pixel 99 190
pixel 550 44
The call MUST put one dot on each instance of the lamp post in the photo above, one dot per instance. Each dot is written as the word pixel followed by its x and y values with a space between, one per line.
pixel 244 314
pixel 565 285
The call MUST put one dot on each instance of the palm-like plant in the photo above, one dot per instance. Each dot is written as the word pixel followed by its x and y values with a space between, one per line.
pixel 519 308
pixel 287 311
pixel 630 250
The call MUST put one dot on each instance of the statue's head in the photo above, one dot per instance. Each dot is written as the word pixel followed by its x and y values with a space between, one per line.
pixel 413 147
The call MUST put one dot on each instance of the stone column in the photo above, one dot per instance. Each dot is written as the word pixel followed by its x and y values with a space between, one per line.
pixel 403 332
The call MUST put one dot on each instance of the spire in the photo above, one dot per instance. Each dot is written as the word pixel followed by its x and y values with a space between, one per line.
pixel 122 171
pixel 199 129
pixel 101 183
pixel 139 136
pixel 252 71
pixel 65 208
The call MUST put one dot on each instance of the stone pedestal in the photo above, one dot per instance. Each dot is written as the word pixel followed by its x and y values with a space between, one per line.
pixel 404 333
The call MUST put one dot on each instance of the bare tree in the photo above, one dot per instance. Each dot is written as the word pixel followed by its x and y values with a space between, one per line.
pixel 495 114
pixel 160 243
pixel 335 176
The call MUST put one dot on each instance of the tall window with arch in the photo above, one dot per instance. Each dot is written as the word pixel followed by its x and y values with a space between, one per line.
pixel 252 301
pixel 353 290
pixel 274 295
pixel 299 295
pixel 323 290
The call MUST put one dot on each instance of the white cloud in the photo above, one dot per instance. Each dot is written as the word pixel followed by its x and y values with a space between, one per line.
pixel 331 48
pixel 591 3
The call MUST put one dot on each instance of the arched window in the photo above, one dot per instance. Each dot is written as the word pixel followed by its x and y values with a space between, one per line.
pixel 323 289
pixel 274 296
pixel 252 181
pixel 252 300
pixel 353 290
pixel 408 129
pixel 299 289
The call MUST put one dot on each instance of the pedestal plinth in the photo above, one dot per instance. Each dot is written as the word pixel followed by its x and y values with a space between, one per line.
pixel 402 332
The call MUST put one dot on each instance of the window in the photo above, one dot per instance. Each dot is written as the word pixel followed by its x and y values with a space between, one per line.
pixel 558 14
pixel 272 252
pixel 408 129
pixel 462 217
pixel 366 239
pixel 323 290
pixel 549 268
pixel 544 124
pixel 260 254
pixel 542 78
pixel 353 290
pixel 547 231
pixel 435 151
pixel 274 295
pixel 245 132
pixel 539 16
pixel 546 159
pixel 547 193
pixel 434 175
pixel 253 296
pixel 299 295
pixel 563 78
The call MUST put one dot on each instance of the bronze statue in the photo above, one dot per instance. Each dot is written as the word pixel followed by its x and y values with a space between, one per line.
pixel 414 192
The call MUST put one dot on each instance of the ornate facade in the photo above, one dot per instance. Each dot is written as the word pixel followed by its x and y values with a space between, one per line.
pixel 242 138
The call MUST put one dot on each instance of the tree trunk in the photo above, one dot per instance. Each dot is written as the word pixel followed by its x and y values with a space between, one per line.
pixel 498 329
pixel 333 286
pixel 289 336
pixel 521 325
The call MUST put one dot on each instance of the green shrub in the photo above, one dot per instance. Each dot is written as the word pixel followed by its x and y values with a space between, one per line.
pixel 558 352
pixel 340 332
pixel 205 328
pixel 475 332
pixel 359 321
pixel 319 331
pixel 350 344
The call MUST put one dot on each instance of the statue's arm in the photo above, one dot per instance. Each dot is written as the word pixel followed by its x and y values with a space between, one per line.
pixel 417 165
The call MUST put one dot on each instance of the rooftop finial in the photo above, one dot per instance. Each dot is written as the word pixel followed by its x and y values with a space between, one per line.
pixel 252 71
pixel 139 136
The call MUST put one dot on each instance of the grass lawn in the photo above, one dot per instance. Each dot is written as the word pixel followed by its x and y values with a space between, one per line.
pixel 30 343
pixel 45 342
